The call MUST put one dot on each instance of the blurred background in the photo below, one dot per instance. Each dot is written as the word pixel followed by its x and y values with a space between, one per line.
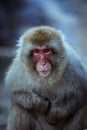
pixel 16 16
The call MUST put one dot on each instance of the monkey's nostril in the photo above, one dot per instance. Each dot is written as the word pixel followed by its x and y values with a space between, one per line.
pixel 43 64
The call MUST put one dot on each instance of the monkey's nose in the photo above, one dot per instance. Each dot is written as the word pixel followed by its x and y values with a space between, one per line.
pixel 42 56
pixel 43 62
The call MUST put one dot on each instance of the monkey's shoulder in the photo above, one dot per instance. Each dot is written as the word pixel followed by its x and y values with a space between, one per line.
pixel 74 64
pixel 75 73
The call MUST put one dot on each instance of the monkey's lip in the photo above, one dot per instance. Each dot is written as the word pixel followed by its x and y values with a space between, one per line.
pixel 44 71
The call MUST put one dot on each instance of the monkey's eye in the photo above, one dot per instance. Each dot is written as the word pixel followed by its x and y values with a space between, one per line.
pixel 36 51
pixel 47 50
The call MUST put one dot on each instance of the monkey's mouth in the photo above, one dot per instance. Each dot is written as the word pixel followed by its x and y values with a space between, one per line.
pixel 44 73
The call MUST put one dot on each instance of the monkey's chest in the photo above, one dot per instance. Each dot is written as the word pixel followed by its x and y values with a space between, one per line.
pixel 49 92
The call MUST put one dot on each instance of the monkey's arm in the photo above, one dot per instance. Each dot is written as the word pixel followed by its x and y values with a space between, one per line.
pixel 30 101
pixel 73 99
pixel 65 108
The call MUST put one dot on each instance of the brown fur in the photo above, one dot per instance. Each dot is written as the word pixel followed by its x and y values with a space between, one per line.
pixel 41 35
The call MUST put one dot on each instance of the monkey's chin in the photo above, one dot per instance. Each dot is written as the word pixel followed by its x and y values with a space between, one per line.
pixel 44 73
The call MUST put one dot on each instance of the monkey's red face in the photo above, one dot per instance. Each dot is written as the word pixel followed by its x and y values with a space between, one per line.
pixel 42 55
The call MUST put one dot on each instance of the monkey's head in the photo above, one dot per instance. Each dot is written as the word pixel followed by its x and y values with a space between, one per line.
pixel 42 50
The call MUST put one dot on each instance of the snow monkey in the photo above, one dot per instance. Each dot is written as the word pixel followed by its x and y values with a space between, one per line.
pixel 47 84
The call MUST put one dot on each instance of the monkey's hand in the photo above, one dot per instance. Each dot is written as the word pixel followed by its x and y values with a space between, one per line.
pixel 30 101
pixel 51 116
pixel 42 106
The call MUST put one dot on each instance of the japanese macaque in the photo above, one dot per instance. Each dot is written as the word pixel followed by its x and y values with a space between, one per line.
pixel 47 84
